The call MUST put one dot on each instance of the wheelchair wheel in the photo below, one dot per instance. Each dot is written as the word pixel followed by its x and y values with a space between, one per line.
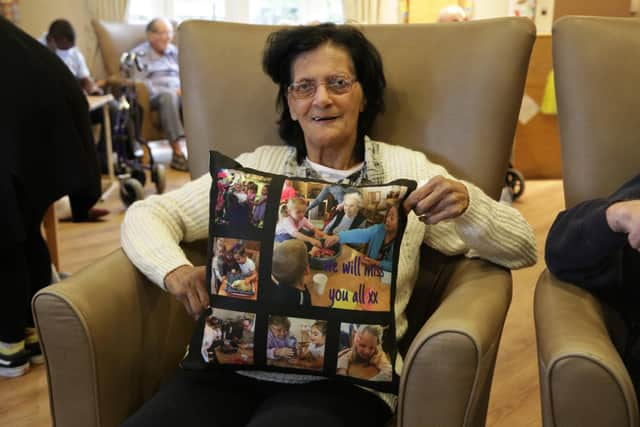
pixel 130 191
pixel 159 177
pixel 138 174
pixel 515 180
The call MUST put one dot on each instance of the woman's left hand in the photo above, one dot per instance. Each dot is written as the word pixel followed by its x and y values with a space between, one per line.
pixel 439 199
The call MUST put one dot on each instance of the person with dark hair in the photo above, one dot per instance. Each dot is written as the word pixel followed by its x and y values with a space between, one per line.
pixel 48 152
pixel 596 246
pixel 160 72
pixel 331 87
pixel 61 39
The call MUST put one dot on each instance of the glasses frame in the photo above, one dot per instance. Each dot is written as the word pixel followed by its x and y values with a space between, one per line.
pixel 327 83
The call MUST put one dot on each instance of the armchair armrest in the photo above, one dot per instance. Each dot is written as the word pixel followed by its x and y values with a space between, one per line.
pixel 583 381
pixel 449 366
pixel 110 339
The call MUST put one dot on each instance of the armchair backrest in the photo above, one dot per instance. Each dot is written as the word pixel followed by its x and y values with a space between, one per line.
pixel 453 91
pixel 597 70
pixel 115 38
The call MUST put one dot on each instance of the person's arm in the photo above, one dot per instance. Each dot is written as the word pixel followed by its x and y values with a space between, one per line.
pixel 476 227
pixel 581 247
pixel 323 195
pixel 586 243
pixel 359 235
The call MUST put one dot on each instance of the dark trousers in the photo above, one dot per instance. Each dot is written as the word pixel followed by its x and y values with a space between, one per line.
pixel 228 399
pixel 26 269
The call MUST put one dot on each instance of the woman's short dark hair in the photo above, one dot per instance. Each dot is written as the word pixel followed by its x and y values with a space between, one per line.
pixel 284 46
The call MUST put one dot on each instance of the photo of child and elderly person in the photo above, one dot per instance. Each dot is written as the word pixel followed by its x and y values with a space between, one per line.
pixel 361 352
pixel 228 337
pixel 346 243
pixel 241 199
pixel 296 343
pixel 234 268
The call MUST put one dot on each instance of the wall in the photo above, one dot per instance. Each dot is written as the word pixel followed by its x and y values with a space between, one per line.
pixel 36 15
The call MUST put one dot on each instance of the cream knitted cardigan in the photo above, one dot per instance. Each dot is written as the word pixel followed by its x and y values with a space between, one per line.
pixel 153 227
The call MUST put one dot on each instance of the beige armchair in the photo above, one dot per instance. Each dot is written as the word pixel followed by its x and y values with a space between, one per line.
pixel 115 38
pixel 583 381
pixel 103 329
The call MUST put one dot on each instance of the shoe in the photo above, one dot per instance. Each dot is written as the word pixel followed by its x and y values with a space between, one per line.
pixel 14 359
pixel 179 162
pixel 32 346
pixel 93 215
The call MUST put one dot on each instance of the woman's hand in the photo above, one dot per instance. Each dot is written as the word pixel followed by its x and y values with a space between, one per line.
pixel 439 199
pixel 369 261
pixel 187 284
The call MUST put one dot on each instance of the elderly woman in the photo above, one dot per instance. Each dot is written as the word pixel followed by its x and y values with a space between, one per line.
pixel 348 217
pixel 331 86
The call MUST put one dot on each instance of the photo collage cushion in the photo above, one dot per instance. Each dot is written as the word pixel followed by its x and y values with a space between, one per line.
pixel 302 276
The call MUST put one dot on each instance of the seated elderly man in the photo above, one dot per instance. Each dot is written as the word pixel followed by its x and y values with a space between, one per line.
pixel 161 74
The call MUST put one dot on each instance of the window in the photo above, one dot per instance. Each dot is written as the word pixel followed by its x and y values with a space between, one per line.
pixel 251 11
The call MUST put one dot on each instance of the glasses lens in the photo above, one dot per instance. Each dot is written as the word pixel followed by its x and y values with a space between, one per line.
pixel 339 85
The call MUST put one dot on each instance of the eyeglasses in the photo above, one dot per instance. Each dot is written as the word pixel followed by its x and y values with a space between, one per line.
pixel 336 85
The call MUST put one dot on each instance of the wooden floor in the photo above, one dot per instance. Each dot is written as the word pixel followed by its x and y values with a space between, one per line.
pixel 514 396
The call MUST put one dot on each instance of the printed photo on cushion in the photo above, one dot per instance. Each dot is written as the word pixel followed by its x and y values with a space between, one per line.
pixel 362 353
pixel 234 268
pixel 296 343
pixel 228 337
pixel 334 245
pixel 241 200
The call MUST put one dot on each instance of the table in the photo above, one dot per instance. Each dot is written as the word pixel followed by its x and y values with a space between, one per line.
pixel 223 292
pixel 361 370
pixel 352 283
pixel 295 362
pixel 102 101
pixel 244 356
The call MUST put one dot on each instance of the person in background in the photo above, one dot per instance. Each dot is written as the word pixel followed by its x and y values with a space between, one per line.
pixel 48 152
pixel 161 74
pixel 61 39
pixel 452 13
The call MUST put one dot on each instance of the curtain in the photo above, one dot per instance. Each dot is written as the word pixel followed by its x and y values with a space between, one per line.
pixel 108 10
pixel 362 11
pixel 371 11
pixel 103 10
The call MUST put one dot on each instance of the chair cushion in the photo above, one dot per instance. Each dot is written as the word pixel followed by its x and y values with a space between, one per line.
pixel 286 296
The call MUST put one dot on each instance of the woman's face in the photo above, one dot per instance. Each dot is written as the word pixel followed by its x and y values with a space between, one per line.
pixel 328 120
pixel 391 220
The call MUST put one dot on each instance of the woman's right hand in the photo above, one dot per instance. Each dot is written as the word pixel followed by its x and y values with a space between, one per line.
pixel 187 284
pixel 315 242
